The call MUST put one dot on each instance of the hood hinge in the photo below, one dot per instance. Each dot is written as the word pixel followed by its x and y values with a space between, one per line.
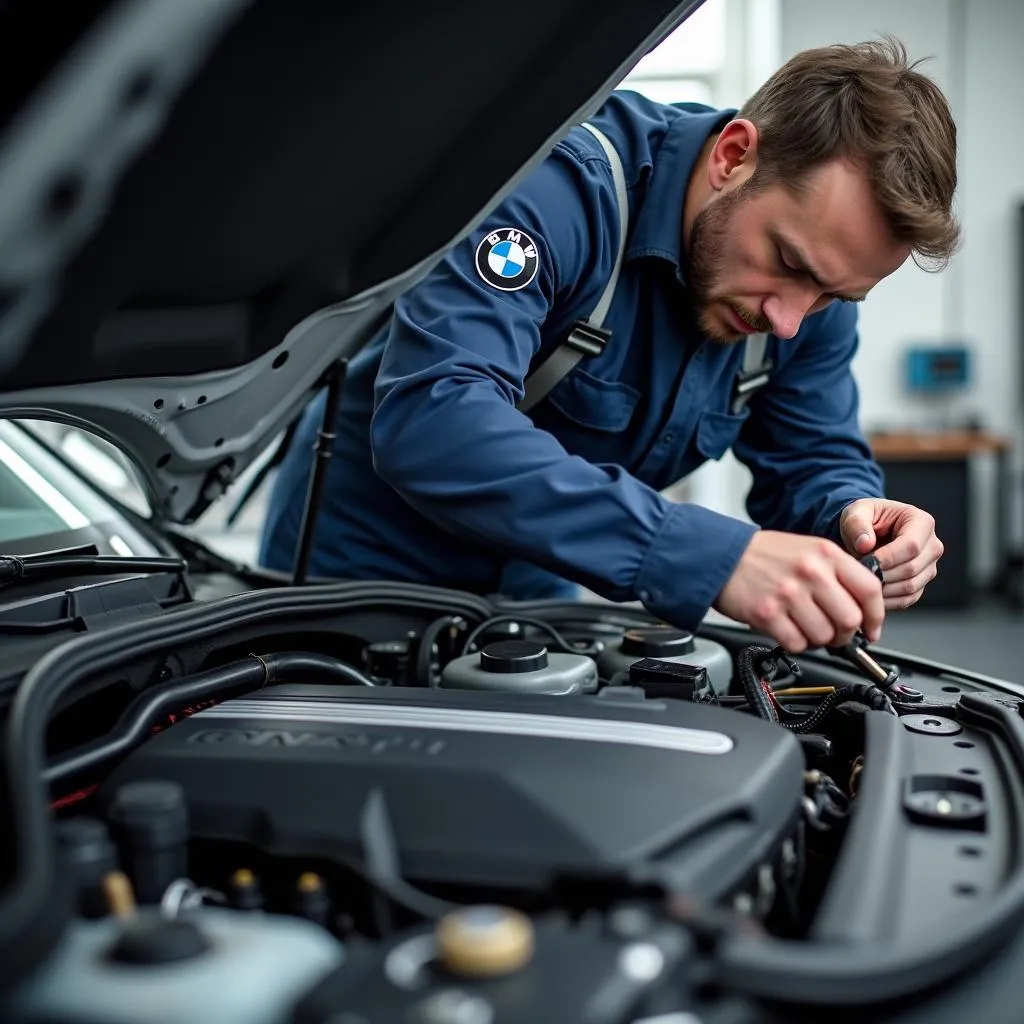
pixel 218 479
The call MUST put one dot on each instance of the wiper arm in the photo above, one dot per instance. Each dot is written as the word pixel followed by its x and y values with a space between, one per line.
pixel 14 569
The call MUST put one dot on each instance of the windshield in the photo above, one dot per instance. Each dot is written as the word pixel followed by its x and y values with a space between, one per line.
pixel 44 505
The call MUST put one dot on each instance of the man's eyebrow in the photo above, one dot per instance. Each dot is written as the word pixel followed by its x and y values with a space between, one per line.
pixel 799 261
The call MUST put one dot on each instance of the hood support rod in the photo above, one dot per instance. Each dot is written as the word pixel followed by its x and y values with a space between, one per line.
pixel 323 449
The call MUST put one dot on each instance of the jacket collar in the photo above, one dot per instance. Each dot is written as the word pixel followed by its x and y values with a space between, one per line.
pixel 657 227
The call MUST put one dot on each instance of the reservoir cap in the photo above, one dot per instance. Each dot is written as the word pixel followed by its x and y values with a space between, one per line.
pixel 514 656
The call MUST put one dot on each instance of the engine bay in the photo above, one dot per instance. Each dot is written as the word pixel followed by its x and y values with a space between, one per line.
pixel 370 804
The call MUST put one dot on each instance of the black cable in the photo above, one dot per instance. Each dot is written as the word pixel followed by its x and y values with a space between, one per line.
pixel 425 655
pixel 560 642
pixel 323 451
pixel 132 728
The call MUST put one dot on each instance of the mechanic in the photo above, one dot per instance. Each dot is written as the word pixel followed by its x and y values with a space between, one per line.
pixel 750 231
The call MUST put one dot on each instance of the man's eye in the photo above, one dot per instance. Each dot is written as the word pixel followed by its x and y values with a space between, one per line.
pixel 783 265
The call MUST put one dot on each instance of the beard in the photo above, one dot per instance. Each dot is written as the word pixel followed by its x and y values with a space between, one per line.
pixel 706 259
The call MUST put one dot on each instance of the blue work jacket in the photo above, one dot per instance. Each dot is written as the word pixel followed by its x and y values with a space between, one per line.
pixel 437 477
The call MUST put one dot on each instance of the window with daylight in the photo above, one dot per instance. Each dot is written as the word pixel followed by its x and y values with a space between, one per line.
pixel 686 66
pixel 718 56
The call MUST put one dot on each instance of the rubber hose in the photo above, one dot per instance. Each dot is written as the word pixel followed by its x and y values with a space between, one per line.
pixel 560 643
pixel 285 666
pixel 425 654
pixel 133 727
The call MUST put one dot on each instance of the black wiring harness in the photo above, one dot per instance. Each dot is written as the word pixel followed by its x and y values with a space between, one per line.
pixel 758 666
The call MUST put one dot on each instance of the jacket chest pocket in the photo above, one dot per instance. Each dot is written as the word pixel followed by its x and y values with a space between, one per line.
pixel 606 406
pixel 717 432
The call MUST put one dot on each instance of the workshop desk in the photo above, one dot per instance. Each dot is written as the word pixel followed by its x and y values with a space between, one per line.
pixel 933 471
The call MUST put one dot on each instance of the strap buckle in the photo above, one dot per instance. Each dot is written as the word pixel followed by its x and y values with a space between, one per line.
pixel 587 338
pixel 748 383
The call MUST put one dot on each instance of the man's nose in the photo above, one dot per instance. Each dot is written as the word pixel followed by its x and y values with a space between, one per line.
pixel 786 311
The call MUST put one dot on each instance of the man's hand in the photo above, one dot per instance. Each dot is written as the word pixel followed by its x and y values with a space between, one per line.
pixel 803 591
pixel 909 550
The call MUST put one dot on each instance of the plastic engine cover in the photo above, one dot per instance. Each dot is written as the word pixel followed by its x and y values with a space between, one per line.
pixel 484 788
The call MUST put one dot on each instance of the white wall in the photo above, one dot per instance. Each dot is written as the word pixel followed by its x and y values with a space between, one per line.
pixel 976 59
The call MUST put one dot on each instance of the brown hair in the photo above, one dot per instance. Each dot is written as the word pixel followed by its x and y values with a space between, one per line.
pixel 865 103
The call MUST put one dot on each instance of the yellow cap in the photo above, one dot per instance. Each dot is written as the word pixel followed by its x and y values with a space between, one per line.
pixel 485 941
pixel 120 896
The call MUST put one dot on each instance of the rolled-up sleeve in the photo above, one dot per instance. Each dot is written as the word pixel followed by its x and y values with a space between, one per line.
pixel 802 441
pixel 447 436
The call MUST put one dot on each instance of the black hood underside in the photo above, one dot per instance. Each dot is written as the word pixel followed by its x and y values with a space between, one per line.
pixel 191 181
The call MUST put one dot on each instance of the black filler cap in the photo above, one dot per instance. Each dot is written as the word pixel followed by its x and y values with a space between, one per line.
pixel 149 823
pixel 90 855
pixel 657 642
pixel 160 941
pixel 86 844
pixel 514 656
pixel 152 814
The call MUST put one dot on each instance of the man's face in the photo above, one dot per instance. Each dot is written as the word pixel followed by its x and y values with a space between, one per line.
pixel 760 260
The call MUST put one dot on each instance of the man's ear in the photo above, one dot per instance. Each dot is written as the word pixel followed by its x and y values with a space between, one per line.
pixel 733 157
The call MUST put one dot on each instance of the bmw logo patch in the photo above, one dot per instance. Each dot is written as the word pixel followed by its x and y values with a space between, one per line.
pixel 507 259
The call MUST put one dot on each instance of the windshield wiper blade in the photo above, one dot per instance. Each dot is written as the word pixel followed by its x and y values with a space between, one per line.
pixel 15 569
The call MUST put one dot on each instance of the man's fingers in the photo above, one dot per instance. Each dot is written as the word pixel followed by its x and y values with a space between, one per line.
pixel 905 571
pixel 902 589
pixel 904 548
pixel 858 528
pixel 911 541
pixel 787 634
pixel 811 618
pixel 901 604
pixel 912 569
pixel 842 614
pixel 933 551
pixel 863 586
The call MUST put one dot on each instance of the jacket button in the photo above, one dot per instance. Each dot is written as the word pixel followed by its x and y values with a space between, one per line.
pixel 668 439
pixel 644 595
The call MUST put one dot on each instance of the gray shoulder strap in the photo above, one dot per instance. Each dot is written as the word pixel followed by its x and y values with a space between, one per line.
pixel 754 374
pixel 567 355
pixel 753 354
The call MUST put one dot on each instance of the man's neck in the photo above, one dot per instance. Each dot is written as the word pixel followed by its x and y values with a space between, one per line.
pixel 698 191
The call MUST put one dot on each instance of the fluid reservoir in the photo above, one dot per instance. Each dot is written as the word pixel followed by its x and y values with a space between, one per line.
pixel 668 644
pixel 521 666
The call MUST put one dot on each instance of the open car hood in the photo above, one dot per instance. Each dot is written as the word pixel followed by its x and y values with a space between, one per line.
pixel 206 203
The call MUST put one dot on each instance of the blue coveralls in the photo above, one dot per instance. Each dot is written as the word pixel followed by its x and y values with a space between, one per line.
pixel 438 478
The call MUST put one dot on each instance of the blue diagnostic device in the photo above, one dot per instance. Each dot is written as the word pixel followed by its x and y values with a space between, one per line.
pixel 933 370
